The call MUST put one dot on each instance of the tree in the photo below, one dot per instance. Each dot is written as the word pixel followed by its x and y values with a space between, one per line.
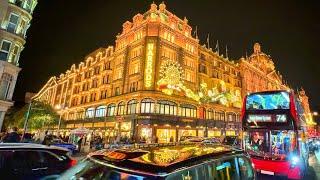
pixel 41 115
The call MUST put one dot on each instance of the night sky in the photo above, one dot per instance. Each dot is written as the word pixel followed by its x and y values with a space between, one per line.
pixel 63 32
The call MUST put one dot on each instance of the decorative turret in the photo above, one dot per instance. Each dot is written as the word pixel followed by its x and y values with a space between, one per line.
pixel 257 48
pixel 153 7
pixel 162 7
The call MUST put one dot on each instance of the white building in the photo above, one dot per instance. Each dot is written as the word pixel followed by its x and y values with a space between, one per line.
pixel 15 18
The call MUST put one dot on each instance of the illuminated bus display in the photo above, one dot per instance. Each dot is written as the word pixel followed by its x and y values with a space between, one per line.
pixel 279 100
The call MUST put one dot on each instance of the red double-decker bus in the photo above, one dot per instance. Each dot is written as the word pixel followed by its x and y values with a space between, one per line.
pixel 273 133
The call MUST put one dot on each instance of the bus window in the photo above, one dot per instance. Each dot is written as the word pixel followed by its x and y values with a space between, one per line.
pixel 195 173
pixel 246 171
pixel 257 142
pixel 283 143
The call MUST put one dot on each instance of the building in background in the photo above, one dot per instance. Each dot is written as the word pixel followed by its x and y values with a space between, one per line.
pixel 15 18
pixel 159 82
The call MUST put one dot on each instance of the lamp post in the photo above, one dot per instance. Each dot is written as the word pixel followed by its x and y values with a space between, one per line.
pixel 62 108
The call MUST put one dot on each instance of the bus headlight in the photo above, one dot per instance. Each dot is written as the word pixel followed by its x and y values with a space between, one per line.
pixel 294 161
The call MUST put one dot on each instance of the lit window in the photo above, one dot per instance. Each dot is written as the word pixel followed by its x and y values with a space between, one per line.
pixel 121 108
pixel 188 110
pixel 101 111
pixel 147 106
pixel 90 113
pixel 111 110
pixel 4 51
pixel 167 107
pixel 13 22
pixel 132 107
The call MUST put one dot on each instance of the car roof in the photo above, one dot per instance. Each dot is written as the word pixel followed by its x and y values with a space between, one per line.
pixel 29 146
pixel 162 160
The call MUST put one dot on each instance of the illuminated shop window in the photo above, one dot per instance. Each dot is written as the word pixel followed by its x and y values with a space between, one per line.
pixel 90 113
pixel 101 111
pixel 147 106
pixel 132 107
pixel 167 107
pixel 111 110
pixel 121 106
pixel 188 110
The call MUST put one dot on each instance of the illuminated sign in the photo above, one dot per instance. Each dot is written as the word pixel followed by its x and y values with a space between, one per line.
pixel 148 74
pixel 259 118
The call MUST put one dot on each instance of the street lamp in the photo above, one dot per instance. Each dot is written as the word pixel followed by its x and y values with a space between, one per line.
pixel 315 113
pixel 59 107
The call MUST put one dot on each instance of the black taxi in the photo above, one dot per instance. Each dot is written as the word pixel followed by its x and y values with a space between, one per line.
pixel 196 161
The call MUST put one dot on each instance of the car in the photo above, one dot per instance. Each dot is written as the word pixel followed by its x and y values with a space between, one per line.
pixel 232 141
pixel 211 140
pixel 32 161
pixel 171 162
pixel 60 143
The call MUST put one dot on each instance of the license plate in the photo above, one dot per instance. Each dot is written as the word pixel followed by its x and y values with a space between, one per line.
pixel 267 172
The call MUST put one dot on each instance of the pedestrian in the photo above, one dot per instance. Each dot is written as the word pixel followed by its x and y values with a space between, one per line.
pixel 12 137
pixel 79 144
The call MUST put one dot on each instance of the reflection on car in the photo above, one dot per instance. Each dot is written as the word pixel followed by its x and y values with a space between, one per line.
pixel 196 161
pixel 32 161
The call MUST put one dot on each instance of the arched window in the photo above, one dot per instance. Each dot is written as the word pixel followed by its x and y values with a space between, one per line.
pixel 209 114
pixel 101 111
pixel 167 107
pixel 121 108
pixel 188 110
pixel 147 106
pixel 231 117
pixel 111 110
pixel 90 113
pixel 219 115
pixel 132 107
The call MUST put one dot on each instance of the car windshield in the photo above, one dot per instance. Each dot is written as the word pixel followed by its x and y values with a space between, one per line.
pixel 275 144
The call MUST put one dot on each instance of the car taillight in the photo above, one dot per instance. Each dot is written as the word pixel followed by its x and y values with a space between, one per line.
pixel 73 162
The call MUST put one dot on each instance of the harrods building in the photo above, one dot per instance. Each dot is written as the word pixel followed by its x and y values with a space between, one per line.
pixel 158 81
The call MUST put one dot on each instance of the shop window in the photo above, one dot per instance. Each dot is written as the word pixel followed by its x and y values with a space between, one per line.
pixel 167 107
pixel 111 110
pixel 147 106
pixel 90 113
pixel 121 106
pixel 132 107
pixel 188 110
pixel 101 111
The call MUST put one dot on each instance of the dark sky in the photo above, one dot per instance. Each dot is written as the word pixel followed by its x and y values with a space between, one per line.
pixel 64 31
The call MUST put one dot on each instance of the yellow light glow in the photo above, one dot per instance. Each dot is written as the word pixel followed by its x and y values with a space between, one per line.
pixel 149 65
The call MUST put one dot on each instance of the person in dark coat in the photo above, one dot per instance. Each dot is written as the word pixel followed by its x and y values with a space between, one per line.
pixel 12 137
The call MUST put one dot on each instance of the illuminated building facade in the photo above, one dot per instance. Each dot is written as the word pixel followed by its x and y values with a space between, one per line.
pixel 158 82
pixel 15 18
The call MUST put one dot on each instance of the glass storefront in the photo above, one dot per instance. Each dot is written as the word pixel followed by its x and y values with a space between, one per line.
pixel 187 132
pixel 214 133
pixel 164 135
pixel 230 133
pixel 145 133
